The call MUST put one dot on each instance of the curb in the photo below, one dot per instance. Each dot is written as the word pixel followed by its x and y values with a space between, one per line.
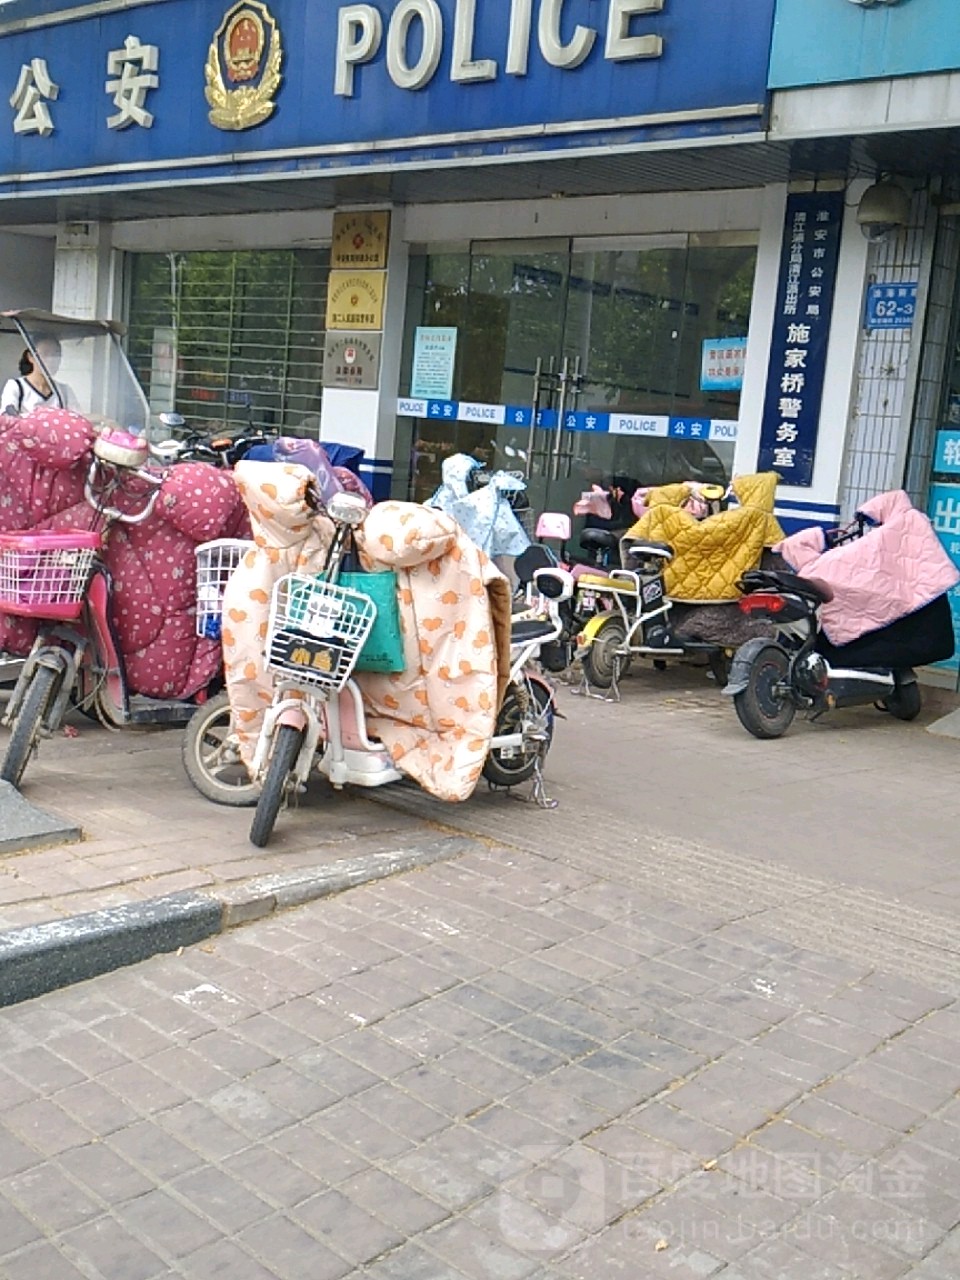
pixel 45 957
pixel 24 826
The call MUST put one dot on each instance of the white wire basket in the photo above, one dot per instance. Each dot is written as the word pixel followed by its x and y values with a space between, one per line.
pixel 45 574
pixel 216 562
pixel 317 630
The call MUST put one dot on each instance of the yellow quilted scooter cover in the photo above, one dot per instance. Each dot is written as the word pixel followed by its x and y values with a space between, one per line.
pixel 710 555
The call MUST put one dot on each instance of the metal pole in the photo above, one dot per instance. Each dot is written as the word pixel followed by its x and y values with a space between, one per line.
pixel 561 410
pixel 534 414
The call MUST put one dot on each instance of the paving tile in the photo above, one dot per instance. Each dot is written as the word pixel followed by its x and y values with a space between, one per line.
pixel 681 1129
pixel 102 1171
pixel 292 1252
pixel 16 1230
pixel 361 1132
pixel 43 1260
pixel 156 1153
pixel 346 1228
pixel 223 1260
pixel 853 1131
pixel 411 1262
pixel 318 1154
pixel 481 1251
pixel 46 1194
pixel 397 1204
pixel 107 1247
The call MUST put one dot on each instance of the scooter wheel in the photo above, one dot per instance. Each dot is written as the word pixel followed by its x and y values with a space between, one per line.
pixel 28 724
pixel 504 770
pixel 599 659
pixel 286 748
pixel 906 702
pixel 761 709
pixel 212 764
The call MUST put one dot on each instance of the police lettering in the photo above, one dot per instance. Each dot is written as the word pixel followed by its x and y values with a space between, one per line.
pixel 418 25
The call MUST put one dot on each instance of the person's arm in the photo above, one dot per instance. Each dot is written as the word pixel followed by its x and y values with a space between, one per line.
pixel 11 398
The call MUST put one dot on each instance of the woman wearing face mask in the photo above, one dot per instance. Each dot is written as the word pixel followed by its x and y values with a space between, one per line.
pixel 33 389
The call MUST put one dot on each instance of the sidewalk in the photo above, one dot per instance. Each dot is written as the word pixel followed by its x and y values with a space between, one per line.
pixel 503 1067
pixel 851 821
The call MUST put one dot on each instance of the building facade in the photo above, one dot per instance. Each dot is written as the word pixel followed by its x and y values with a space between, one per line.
pixel 878 104
pixel 583 238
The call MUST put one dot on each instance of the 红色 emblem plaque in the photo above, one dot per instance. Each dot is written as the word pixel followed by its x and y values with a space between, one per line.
pixel 243 67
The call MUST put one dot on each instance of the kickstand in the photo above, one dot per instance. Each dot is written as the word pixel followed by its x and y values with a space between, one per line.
pixel 539 794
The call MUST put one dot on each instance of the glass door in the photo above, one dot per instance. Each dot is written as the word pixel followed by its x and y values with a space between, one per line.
pixel 608 338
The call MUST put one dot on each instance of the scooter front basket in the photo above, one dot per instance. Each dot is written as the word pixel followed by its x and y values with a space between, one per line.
pixel 317 630
pixel 45 575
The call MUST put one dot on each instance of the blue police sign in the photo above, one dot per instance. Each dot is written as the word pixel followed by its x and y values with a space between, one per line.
pixel 139 91
pixel 798 348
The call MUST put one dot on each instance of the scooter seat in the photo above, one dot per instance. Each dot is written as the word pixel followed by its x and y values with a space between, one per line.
pixel 597 582
pixel 598 540
pixel 780 580
pixel 662 550
pixel 534 629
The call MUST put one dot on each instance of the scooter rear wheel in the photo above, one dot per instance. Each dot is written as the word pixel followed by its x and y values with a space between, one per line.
pixel 213 765
pixel 286 748
pixel 509 770
pixel 906 701
pixel 599 659
pixel 27 726
pixel 762 710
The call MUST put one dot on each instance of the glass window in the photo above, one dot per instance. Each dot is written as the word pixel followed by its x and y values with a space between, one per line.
pixel 232 339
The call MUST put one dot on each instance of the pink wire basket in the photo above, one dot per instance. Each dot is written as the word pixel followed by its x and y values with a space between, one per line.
pixel 45 575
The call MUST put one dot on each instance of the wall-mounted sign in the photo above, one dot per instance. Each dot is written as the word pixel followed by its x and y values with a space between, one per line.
pixel 943 508
pixel 361 84
pixel 722 361
pixel 946 457
pixel 434 355
pixel 867 41
pixel 801 327
pixel 352 360
pixel 891 306
pixel 360 240
pixel 355 299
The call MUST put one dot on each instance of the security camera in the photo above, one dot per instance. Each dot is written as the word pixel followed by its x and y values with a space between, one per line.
pixel 882 209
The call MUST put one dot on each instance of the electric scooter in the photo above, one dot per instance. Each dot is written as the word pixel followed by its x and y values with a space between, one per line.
pixel 772 678
pixel 317 720
pixel 60 578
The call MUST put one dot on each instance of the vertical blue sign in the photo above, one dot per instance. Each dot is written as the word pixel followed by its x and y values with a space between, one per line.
pixel 943 508
pixel 801 327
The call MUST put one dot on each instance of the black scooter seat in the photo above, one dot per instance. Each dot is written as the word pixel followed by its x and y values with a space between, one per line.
pixel 644 547
pixel 535 629
pixel 598 540
pixel 779 580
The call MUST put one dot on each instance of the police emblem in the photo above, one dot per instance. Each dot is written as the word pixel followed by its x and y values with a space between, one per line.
pixel 246 52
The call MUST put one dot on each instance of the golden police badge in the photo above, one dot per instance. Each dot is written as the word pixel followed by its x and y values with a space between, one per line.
pixel 246 52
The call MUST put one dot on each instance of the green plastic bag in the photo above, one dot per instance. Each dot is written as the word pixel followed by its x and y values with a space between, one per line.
pixel 383 648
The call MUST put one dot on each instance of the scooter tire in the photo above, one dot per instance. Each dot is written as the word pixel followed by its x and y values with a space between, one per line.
pixel 223 782
pixel 286 748
pixel 510 771
pixel 905 703
pixel 758 708
pixel 26 728
pixel 598 660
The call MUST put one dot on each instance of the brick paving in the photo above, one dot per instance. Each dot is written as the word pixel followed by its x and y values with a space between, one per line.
pixel 498 1067
pixel 699 1021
